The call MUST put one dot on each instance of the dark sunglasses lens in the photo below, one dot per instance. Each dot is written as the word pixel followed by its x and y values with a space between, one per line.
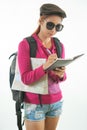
pixel 50 25
pixel 59 27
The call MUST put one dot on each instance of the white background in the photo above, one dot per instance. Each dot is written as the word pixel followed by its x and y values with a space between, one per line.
pixel 18 19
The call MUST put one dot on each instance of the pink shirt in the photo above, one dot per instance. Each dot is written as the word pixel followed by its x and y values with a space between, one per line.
pixel 29 76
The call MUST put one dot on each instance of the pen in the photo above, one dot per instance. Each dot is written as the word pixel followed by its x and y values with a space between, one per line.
pixel 48 51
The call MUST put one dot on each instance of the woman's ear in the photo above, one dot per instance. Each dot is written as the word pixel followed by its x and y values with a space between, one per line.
pixel 41 21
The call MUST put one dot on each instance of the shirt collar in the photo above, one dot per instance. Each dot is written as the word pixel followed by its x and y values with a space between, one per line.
pixel 40 42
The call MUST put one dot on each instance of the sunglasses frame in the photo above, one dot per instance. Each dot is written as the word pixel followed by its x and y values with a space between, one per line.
pixel 51 25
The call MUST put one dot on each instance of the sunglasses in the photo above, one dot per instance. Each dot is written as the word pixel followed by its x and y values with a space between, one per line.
pixel 51 25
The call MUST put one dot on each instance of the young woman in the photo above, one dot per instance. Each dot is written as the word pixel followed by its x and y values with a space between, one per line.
pixel 43 117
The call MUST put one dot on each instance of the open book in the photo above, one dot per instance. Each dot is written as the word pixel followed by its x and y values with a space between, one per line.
pixel 59 62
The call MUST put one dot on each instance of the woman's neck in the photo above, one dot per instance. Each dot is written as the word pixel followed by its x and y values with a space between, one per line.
pixel 45 41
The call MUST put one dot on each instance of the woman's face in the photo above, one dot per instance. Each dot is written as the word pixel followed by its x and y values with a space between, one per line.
pixel 50 25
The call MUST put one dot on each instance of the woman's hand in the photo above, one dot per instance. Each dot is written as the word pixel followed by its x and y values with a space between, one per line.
pixel 59 72
pixel 49 61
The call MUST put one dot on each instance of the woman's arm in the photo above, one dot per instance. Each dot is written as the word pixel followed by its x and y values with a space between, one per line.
pixel 59 74
pixel 28 75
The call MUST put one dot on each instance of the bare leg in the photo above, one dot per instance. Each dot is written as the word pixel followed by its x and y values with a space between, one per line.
pixel 34 125
pixel 51 123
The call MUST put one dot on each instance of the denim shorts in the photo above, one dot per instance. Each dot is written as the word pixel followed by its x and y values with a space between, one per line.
pixel 35 112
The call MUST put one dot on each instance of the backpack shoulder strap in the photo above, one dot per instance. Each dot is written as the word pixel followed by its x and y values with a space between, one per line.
pixel 33 45
pixel 58 46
